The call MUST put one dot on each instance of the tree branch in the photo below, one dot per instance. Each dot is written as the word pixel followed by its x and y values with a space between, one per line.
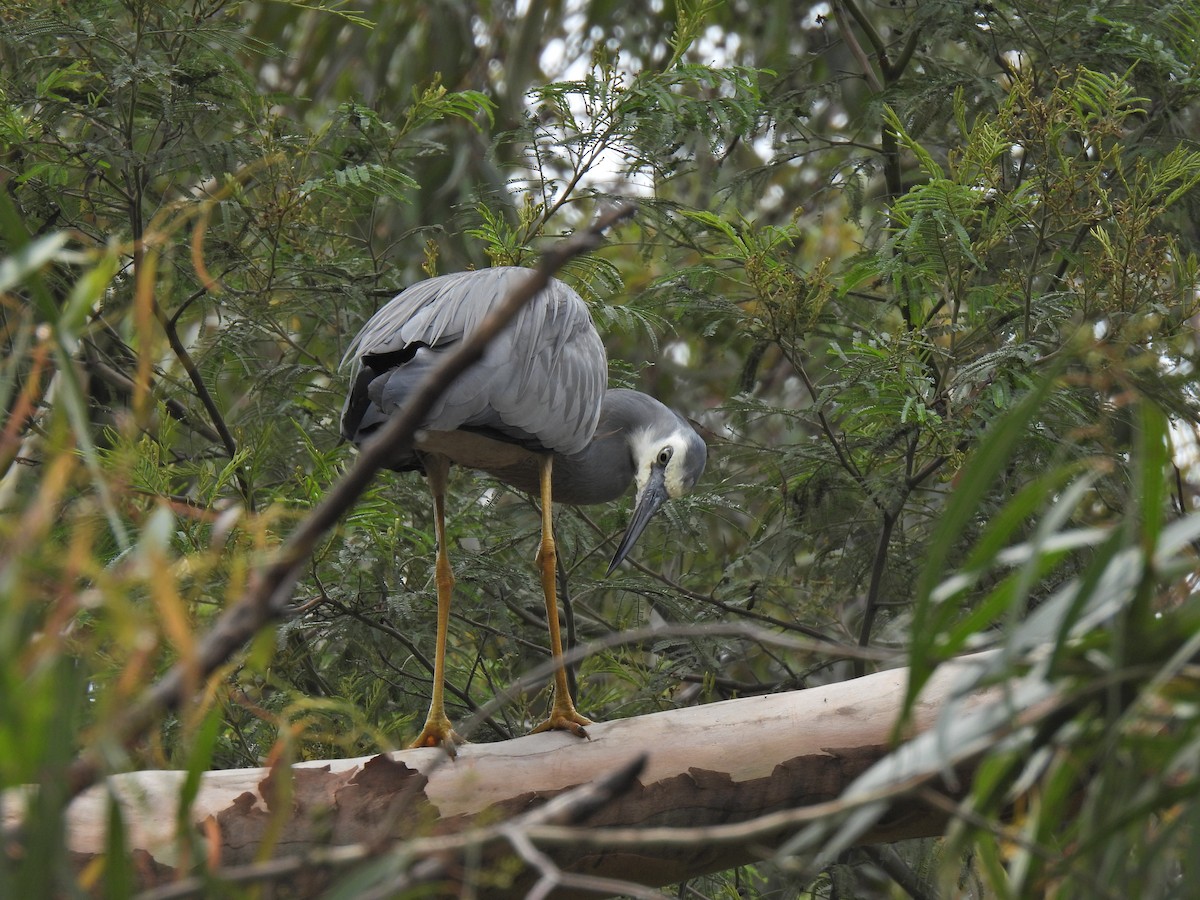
pixel 878 567
pixel 202 392
pixel 692 790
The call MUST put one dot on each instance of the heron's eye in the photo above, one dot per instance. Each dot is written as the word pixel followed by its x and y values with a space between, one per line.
pixel 664 456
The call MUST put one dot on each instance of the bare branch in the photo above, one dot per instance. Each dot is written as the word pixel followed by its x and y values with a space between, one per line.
pixel 692 790
pixel 202 392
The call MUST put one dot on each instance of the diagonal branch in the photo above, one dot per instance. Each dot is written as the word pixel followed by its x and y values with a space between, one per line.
pixel 205 396
pixel 270 588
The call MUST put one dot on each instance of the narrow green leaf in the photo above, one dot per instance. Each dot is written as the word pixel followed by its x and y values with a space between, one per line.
pixel 992 455
pixel 87 293
pixel 31 258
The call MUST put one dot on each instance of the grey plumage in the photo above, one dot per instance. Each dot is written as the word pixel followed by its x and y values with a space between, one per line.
pixel 534 412
pixel 539 387
pixel 539 383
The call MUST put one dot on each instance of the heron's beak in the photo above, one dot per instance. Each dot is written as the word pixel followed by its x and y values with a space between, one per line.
pixel 652 495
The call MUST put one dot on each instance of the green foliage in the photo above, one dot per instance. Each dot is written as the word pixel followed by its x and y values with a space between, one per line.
pixel 926 272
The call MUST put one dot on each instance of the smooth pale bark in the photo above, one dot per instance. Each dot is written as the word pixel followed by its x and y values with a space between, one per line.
pixel 719 763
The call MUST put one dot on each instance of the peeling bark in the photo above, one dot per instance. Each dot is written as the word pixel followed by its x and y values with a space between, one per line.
pixel 721 763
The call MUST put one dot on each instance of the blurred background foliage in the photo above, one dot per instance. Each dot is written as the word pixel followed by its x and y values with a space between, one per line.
pixel 867 233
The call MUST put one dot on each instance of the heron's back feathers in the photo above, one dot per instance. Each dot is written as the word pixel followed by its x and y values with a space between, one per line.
pixel 539 384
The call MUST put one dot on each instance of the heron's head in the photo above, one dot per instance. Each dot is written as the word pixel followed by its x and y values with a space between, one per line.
pixel 669 458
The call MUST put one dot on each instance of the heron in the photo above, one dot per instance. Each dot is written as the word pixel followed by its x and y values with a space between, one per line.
pixel 534 412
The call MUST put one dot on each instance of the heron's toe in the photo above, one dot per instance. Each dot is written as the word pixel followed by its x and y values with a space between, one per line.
pixel 439 734
pixel 567 719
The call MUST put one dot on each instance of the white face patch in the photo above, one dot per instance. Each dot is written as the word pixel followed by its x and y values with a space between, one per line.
pixel 676 469
pixel 644 452
pixel 647 448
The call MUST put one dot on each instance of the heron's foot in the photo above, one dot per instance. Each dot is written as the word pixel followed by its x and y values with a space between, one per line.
pixel 438 732
pixel 565 718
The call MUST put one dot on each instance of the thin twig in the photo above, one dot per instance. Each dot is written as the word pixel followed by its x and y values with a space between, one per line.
pixel 707 599
pixel 554 879
pixel 119 380
pixel 878 567
pixel 570 808
pixel 856 50
pixel 886 857
pixel 205 397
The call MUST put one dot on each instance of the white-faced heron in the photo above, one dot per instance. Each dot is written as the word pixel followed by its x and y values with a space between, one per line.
pixel 534 412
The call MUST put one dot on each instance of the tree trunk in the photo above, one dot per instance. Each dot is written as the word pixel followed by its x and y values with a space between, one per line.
pixel 722 763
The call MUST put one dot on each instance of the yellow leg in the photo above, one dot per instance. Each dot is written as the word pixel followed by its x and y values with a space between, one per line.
pixel 563 715
pixel 438 732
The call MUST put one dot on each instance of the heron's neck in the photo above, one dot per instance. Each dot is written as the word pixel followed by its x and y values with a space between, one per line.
pixel 605 468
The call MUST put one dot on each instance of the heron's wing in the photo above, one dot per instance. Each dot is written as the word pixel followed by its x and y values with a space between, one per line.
pixel 540 382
